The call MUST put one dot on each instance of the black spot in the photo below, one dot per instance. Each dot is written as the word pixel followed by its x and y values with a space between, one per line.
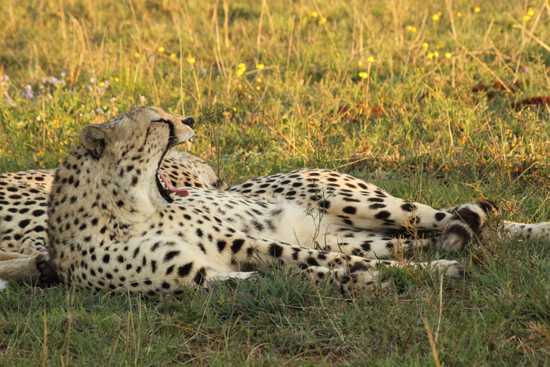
pixel 375 200
pixel 237 244
pixel 24 223
pixel 170 255
pixel 383 214
pixel 325 204
pixel 200 276
pixel 185 269
pixel 221 245
pixel 259 226
pixel 106 258
pixel 439 216
pixel 408 207
pixel 350 210
pixel 275 250
pixel 169 270
pixel 377 206
pixel 366 245
pixel 311 261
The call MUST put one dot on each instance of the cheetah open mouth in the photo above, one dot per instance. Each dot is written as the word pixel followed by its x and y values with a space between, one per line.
pixel 164 184
pixel 167 186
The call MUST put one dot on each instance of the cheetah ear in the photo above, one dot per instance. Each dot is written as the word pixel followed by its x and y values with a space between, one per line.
pixel 93 137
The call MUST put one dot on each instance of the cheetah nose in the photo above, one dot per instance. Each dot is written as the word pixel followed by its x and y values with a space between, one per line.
pixel 189 121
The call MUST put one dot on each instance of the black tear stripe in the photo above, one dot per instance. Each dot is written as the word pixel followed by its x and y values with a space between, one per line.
pixel 172 140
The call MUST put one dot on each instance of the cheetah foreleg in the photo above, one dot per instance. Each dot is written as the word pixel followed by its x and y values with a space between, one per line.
pixel 232 275
pixel 259 251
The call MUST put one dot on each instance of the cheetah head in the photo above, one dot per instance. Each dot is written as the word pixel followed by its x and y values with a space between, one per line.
pixel 129 150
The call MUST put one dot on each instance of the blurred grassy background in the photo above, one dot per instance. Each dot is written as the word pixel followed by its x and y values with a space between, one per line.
pixel 422 97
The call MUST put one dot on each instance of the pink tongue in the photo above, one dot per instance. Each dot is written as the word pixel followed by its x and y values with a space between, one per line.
pixel 178 191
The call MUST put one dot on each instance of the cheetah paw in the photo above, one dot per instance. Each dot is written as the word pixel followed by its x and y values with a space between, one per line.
pixel 451 268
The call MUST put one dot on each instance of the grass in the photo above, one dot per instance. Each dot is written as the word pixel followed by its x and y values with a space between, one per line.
pixel 348 85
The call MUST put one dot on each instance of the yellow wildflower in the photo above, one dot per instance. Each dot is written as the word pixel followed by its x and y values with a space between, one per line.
pixel 477 9
pixel 526 18
pixel 314 14
pixel 363 74
pixel 173 56
pixel 190 60
pixel 459 14
pixel 161 50
pixel 425 46
pixel 530 12
pixel 411 29
pixel 448 55
pixel 436 17
pixel 370 59
pixel 241 69
pixel 433 55
pixel 322 20
pixel 260 66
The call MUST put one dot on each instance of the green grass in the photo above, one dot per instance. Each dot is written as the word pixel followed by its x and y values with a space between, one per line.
pixel 412 124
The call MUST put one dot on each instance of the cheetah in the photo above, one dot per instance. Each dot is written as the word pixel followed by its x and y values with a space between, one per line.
pixel 121 229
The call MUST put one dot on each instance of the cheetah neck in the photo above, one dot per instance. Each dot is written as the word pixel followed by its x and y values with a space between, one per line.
pixel 109 197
